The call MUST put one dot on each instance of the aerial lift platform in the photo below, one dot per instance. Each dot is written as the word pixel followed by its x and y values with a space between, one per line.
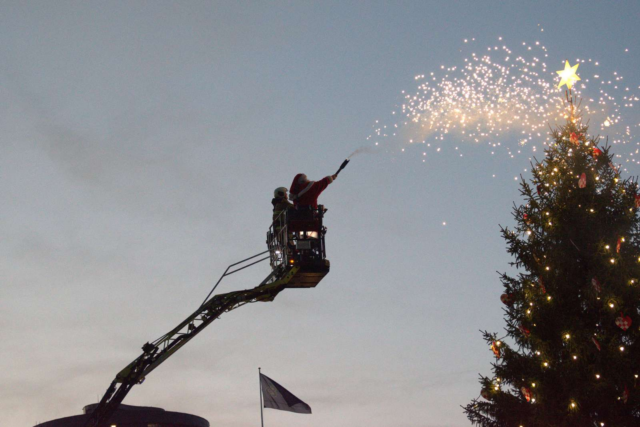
pixel 296 252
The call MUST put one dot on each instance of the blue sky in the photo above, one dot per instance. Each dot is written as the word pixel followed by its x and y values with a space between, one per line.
pixel 140 144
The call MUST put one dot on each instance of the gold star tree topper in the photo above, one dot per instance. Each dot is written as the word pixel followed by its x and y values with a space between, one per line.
pixel 568 76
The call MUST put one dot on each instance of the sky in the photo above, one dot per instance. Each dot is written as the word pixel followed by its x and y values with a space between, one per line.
pixel 140 143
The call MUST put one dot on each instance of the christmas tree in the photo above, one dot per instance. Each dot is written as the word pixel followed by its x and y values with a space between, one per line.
pixel 571 354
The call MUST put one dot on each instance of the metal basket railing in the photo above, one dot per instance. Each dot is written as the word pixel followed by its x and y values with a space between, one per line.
pixel 297 236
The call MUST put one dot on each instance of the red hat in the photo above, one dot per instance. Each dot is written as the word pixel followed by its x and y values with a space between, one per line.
pixel 297 186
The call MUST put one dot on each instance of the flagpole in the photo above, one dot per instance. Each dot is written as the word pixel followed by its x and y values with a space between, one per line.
pixel 260 384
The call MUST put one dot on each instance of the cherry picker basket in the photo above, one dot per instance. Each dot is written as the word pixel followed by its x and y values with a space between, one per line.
pixel 296 240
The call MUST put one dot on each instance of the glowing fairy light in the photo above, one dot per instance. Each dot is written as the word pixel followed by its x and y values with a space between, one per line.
pixel 505 98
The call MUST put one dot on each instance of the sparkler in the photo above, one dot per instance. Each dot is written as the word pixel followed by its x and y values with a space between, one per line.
pixel 506 98
pixel 343 165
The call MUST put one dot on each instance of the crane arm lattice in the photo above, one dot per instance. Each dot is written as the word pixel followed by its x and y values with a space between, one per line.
pixel 161 349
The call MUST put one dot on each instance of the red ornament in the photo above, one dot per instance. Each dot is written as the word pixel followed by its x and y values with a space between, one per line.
pixel 623 322
pixel 618 245
pixel 595 341
pixel 596 284
pixel 596 152
pixel 582 182
pixel 539 187
pixel 637 198
pixel 542 288
pixel 524 331
pixel 526 219
pixel 526 393
pixel 575 138
pixel 495 347
pixel 485 394
pixel 507 299
pixel 625 394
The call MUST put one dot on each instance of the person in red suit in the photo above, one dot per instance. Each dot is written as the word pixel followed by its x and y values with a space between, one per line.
pixel 305 193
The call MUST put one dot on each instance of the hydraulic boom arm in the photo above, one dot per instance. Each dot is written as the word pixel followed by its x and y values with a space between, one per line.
pixel 297 257
pixel 160 350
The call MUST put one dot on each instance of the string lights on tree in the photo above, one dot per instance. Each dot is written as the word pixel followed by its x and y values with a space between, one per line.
pixel 571 356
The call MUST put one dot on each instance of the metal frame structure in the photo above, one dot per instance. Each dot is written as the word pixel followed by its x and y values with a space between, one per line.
pixel 297 236
pixel 298 259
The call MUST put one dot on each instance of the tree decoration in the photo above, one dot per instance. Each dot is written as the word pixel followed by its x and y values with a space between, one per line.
pixel 573 346
pixel 582 182
pixel 485 393
pixel 568 76
pixel 623 322
pixel 596 152
pixel 507 299
pixel 574 138
pixel 495 347
pixel 625 395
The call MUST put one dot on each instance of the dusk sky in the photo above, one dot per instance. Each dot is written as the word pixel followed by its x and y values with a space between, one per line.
pixel 140 144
